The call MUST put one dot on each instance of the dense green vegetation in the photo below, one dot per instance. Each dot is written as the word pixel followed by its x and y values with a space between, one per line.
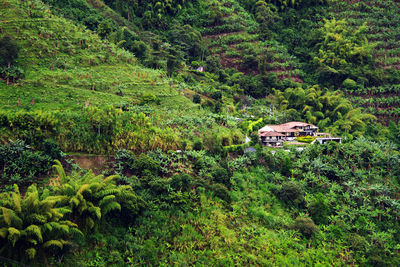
pixel 381 17
pixel 372 68
pixel 291 208
pixel 168 96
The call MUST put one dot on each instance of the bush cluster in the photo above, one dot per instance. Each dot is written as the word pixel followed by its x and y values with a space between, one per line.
pixel 20 164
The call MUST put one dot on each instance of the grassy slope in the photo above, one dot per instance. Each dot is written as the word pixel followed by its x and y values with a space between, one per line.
pixel 67 66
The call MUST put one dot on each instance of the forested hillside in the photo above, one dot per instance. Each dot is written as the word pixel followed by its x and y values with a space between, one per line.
pixel 129 133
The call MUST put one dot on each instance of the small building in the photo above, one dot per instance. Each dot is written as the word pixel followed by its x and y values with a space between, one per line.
pixel 275 135
pixel 271 138
pixel 324 140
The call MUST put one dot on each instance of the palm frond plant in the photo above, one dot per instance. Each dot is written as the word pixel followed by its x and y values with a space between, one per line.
pixel 92 197
pixel 34 224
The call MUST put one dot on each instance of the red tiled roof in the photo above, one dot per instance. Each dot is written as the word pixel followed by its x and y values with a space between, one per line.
pixel 281 129
pixel 271 134
pixel 293 124
pixel 289 127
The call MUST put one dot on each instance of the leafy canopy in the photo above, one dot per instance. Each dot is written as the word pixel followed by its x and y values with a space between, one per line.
pixel 343 52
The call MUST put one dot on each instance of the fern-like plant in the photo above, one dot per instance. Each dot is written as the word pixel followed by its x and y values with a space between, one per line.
pixel 91 198
pixel 33 224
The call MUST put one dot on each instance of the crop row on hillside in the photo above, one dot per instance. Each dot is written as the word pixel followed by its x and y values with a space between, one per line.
pixel 382 19
pixel 235 40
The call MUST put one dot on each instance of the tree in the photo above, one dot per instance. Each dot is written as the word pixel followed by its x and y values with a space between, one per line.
pixel 284 4
pixel 292 193
pixel 140 49
pixel 352 123
pixel 188 39
pixel 215 14
pixel 8 54
pixel 319 209
pixel 343 52
pixel 8 51
pixel 265 16
pixel 305 226
pixel 217 95
pixel 104 28
pixel 174 59
pixel 213 64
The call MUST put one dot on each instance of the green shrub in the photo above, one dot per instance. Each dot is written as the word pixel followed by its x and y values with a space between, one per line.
pixel 199 164
pixel 144 162
pixel 306 139
pixel 286 165
pixel 349 84
pixel 181 182
pixel 217 95
pixel 357 242
pixel 51 148
pixel 148 98
pixel 8 51
pixel 305 226
pixel 198 145
pixel 213 64
pixel 238 149
pixel 159 185
pixel 144 165
pixel 195 64
pixel 220 175
pixel 196 99
pixel 292 193
pixel 22 164
pixel 221 192
pixel 11 73
pixel 319 209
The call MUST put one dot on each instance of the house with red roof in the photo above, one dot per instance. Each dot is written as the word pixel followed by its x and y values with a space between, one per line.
pixel 275 135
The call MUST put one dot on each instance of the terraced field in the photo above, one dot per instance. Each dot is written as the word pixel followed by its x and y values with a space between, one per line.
pixel 233 37
pixel 383 20
pixel 71 67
